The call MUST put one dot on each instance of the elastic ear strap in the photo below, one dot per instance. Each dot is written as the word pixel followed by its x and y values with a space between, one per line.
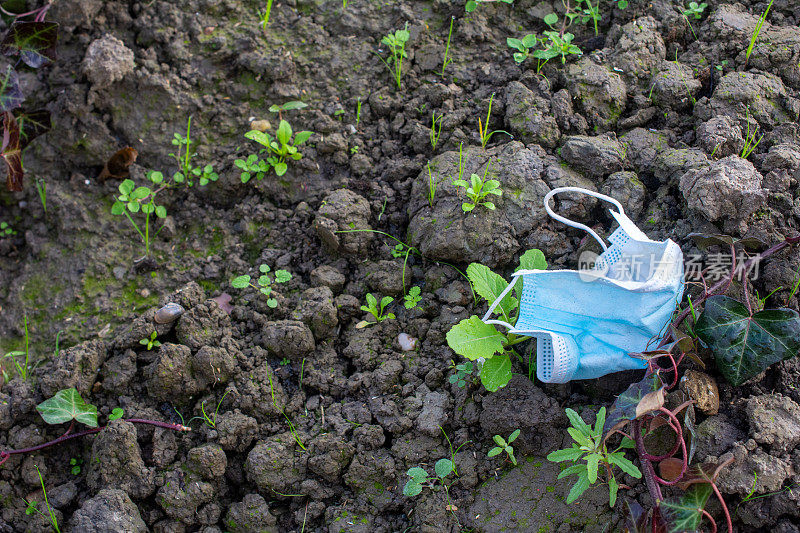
pixel 497 301
pixel 574 224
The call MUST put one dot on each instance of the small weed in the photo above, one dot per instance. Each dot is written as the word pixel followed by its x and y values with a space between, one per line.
pixel 186 172
pixel 151 341
pixel 292 428
pixel 555 45
pixel 265 281
pixel 750 141
pixel 6 230
pixel 504 446
pixel 41 189
pixel 462 371
pixel 447 48
pixel 376 310
pixel 522 46
pixel 420 478
pixel 397 48
pixel 288 106
pixel 413 297
pixel 75 463
pixel 21 368
pixel 263 15
pixel 358 111
pixel 33 506
pixel 483 128
pixel 757 31
pixel 435 131
pixel 477 191
pixel 590 447
pixel 133 200
pixel 431 187
pixel 472 5
pixel 279 150
pixel 210 419
pixel 695 10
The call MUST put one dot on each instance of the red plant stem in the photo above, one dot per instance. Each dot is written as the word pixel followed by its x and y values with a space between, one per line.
pixel 724 508
pixel 647 466
pixel 710 519
pixel 676 425
pixel 4 455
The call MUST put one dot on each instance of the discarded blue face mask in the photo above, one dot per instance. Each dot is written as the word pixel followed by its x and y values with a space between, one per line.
pixel 587 322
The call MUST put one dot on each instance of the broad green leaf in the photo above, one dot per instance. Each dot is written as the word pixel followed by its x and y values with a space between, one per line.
pixel 579 437
pixel 499 441
pixel 574 469
pixel 65 406
pixel 685 514
pixel 530 40
pixel 472 338
pixel 515 43
pixel 282 276
pixel 744 345
pixel 496 372
pixel 533 259
pixel 35 42
pixel 592 460
pixel 284 132
pixel 619 459
pixel 240 282
pixel 578 488
pixel 443 468
pixel 470 6
pixel 568 454
pixel 412 488
pixel 161 211
pixel 639 399
pixel 489 286
pixel 301 137
pixel 294 104
pixel 613 487
pixel 280 169
pixel 417 474
pixel 261 138
pixel 550 19
pixel 118 208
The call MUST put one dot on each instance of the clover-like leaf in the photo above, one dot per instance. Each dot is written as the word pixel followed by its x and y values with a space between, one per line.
pixel 744 345
pixel 65 406
pixel 473 339
pixel 639 399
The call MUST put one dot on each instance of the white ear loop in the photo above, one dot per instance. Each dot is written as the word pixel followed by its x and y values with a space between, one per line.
pixel 578 225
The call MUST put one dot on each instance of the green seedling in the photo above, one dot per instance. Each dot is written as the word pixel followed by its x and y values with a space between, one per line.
pixel 376 310
pixel 477 191
pixel 472 5
pixel 462 370
pixel 504 446
pixel 264 281
pixel 413 297
pixel 436 129
pixel 116 413
pixel 186 173
pixel 556 45
pixel 285 361
pixel 695 10
pixel 75 463
pixel 397 48
pixel 6 230
pixel 210 419
pixel 279 150
pixel 358 111
pixel 750 141
pixel 33 505
pixel 483 130
pixel 133 200
pixel 292 428
pixel 41 189
pixel 757 31
pixel 288 106
pixel 447 60
pixel 151 341
pixel 522 46
pixel 588 453
pixel 21 367
pixel 431 186
pixel 263 15
pixel 420 478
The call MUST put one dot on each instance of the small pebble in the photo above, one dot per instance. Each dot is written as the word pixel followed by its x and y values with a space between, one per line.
pixel 407 342
pixel 260 125
pixel 169 313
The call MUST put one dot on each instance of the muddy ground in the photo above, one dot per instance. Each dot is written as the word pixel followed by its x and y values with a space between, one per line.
pixel 318 420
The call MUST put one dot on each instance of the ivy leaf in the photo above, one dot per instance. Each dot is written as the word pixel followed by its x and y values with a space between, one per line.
pixel 685 514
pixel 11 96
pixel 473 339
pixel 65 406
pixel 35 42
pixel 496 372
pixel 744 345
pixel 639 399
pixel 489 286
pixel 11 152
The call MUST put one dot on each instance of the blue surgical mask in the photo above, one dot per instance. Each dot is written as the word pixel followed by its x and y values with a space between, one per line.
pixel 587 322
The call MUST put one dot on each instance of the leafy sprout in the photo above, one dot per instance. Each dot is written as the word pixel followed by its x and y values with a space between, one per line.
pixel 413 297
pixel 279 149
pixel 477 191
pixel 151 341
pixel 504 446
pixel 264 282
pixel 376 310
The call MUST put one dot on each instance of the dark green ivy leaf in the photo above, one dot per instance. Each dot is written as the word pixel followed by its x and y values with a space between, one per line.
pixel 744 345
pixel 685 514
pixel 11 96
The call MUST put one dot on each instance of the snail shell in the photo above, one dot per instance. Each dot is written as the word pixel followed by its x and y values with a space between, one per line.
pixel 169 313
